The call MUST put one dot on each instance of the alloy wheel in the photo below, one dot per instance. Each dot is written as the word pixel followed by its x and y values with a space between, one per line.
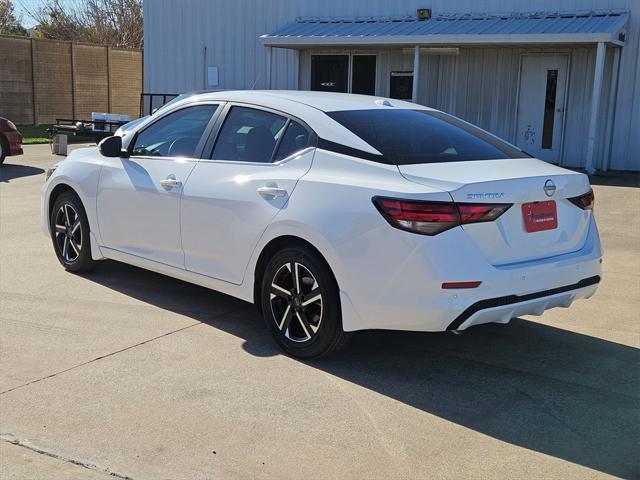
pixel 68 232
pixel 296 302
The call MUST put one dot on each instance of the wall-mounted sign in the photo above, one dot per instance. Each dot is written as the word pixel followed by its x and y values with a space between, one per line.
pixel 212 76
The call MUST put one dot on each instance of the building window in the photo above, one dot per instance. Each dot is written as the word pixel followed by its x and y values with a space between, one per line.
pixel 401 85
pixel 330 73
pixel 363 74
pixel 352 73
pixel 549 109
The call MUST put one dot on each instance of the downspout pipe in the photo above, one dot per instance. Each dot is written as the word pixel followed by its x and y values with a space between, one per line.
pixel 598 75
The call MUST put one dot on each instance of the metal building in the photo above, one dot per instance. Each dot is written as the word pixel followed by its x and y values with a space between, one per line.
pixel 561 78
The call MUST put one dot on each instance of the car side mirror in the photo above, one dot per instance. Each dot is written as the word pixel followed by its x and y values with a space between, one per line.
pixel 111 146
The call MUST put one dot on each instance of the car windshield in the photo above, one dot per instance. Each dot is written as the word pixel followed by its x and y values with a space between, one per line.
pixel 407 137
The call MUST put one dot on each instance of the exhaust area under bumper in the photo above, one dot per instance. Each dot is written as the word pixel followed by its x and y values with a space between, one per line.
pixel 503 309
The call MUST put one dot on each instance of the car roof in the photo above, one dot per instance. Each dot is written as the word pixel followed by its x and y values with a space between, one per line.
pixel 324 101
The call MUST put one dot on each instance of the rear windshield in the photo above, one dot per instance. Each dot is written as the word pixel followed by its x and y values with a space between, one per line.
pixel 407 137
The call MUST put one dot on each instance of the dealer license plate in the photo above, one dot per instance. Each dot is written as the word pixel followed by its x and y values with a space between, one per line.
pixel 539 216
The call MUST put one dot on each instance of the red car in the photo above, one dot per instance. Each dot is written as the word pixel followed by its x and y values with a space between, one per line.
pixel 10 139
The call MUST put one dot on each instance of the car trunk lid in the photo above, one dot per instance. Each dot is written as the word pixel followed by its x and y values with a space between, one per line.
pixel 521 182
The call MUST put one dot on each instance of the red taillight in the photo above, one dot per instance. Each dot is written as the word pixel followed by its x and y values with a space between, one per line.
pixel 585 202
pixel 474 213
pixel 431 218
pixel 427 218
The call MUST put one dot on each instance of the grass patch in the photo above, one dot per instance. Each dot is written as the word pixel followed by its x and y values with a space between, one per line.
pixel 34 134
pixel 37 134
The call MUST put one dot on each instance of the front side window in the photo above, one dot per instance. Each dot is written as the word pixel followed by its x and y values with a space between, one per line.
pixel 407 137
pixel 249 135
pixel 175 135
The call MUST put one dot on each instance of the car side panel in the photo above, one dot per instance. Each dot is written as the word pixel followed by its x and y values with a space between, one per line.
pixel 331 208
pixel 392 279
pixel 80 171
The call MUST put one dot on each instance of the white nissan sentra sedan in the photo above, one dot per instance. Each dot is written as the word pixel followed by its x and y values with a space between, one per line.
pixel 332 213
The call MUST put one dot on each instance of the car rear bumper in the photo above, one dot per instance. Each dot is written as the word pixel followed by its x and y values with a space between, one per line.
pixel 15 143
pixel 407 293
pixel 503 309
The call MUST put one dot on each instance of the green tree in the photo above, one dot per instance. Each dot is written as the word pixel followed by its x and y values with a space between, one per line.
pixel 10 24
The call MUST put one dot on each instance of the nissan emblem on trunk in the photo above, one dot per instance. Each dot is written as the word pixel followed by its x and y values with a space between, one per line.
pixel 549 188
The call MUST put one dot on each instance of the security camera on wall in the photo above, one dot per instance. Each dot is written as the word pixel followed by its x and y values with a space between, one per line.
pixel 423 13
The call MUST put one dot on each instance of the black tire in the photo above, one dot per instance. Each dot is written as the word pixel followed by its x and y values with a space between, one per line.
pixel 4 149
pixel 305 331
pixel 70 233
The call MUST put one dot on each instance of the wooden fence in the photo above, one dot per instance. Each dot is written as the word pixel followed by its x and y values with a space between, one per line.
pixel 41 80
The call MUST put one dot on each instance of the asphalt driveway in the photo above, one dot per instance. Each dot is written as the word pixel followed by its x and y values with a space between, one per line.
pixel 127 373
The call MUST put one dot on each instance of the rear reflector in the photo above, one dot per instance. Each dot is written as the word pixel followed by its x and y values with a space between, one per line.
pixel 431 218
pixel 585 202
pixel 452 285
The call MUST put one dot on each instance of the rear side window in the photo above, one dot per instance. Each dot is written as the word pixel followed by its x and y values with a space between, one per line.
pixel 295 138
pixel 249 135
pixel 175 135
pixel 407 137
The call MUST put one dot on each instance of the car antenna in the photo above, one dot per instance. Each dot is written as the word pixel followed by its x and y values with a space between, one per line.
pixel 253 85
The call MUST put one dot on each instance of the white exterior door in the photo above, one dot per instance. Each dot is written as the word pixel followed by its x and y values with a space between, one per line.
pixel 541 106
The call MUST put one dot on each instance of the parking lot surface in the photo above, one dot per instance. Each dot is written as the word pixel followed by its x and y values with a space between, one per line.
pixel 128 374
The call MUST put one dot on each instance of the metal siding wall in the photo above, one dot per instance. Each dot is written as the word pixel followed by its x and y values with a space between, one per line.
pixel 176 33
pixel 625 152
pixel 479 85
pixel 578 106
pixel 626 133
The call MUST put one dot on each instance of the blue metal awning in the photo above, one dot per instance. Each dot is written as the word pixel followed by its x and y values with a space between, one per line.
pixel 514 28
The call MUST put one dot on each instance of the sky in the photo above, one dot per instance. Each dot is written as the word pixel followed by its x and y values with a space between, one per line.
pixel 22 7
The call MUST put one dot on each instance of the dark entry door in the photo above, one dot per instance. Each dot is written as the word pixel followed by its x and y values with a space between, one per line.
pixel 330 73
pixel 363 76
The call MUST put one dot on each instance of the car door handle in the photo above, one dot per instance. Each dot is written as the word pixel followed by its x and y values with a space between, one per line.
pixel 271 193
pixel 171 182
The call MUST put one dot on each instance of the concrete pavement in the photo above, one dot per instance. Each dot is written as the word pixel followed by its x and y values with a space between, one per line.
pixel 128 373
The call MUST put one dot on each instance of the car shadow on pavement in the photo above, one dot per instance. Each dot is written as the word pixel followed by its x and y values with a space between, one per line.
pixel 557 392
pixel 10 171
